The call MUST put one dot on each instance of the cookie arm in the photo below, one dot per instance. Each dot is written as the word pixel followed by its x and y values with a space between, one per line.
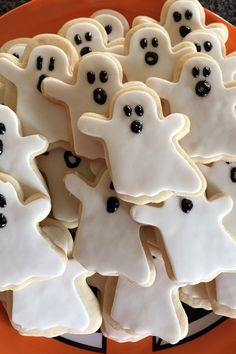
pixel 9 70
pixel 77 186
pixel 177 124
pixel 93 125
pixel 55 89
pixel 220 29
pixel 37 144
pixel 39 207
pixel 144 214
pixel 162 87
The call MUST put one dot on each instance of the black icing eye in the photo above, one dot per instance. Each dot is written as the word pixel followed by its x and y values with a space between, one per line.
pixel 103 76
pixel 108 29
pixel 139 110
pixel 91 77
pixel 206 71
pixel 3 201
pixel 39 63
pixel 186 205
pixel 177 16
pixel 143 43
pixel 228 163
pixel 77 39
pixel 3 221
pixel 188 15
pixel 2 129
pixel 127 110
pixel 16 55
pixel 208 46
pixel 155 42
pixel 112 186
pixel 198 47
pixel 136 126
pixel 196 71
pixel 51 66
pixel 88 36
pixel 112 204
pixel 71 160
pixel 233 174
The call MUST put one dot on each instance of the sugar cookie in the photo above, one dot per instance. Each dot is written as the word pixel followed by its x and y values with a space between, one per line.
pixel 196 296
pixel 138 133
pixel 45 55
pixel 106 233
pixel 200 93
pixel 197 245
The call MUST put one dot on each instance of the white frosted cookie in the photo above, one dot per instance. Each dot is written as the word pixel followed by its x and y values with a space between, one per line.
pixel 197 245
pixel 45 55
pixel 221 177
pixel 24 252
pixel 106 233
pixel 200 93
pixel 114 23
pixel 196 296
pixel 98 78
pixel 17 153
pixel 180 17
pixel 88 35
pixel 148 53
pixel 154 310
pixel 222 293
pixel 210 43
pixel 138 142
pixel 54 164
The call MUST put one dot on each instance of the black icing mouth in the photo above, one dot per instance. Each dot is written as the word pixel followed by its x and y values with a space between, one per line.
pixel 184 31
pixel 41 78
pixel 203 88
pixel 136 126
pixel 85 50
pixel 151 58
pixel 100 96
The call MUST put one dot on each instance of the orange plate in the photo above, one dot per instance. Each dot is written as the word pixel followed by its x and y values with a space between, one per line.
pixel 40 16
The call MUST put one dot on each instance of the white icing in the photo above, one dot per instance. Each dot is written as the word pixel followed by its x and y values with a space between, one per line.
pixel 212 118
pixel 135 63
pixel 138 161
pixel 99 42
pixel 24 252
pixel 196 22
pixel 17 157
pixel 119 335
pixel 197 291
pixel 218 177
pixel 79 97
pixel 225 285
pixel 103 239
pixel 218 52
pixel 36 112
pixel 54 166
pixel 52 304
pixel 151 310
pixel 197 245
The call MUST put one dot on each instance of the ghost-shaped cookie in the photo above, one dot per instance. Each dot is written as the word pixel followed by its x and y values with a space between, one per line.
pixel 88 35
pixel 98 78
pixel 201 94
pixel 180 17
pixel 45 55
pixel 155 310
pixel 15 47
pixel 221 177
pixel 210 43
pixel 106 233
pixel 17 153
pixel 66 305
pixel 196 243
pixel 54 164
pixel 138 144
pixel 114 23
pixel 149 53
pixel 24 252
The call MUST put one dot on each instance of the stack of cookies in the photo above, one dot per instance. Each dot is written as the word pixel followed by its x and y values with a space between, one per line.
pixel 117 173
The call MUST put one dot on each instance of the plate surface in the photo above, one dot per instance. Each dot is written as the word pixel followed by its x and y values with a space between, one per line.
pixel 209 334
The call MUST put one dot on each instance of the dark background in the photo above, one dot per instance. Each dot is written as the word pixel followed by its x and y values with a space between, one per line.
pixel 225 8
